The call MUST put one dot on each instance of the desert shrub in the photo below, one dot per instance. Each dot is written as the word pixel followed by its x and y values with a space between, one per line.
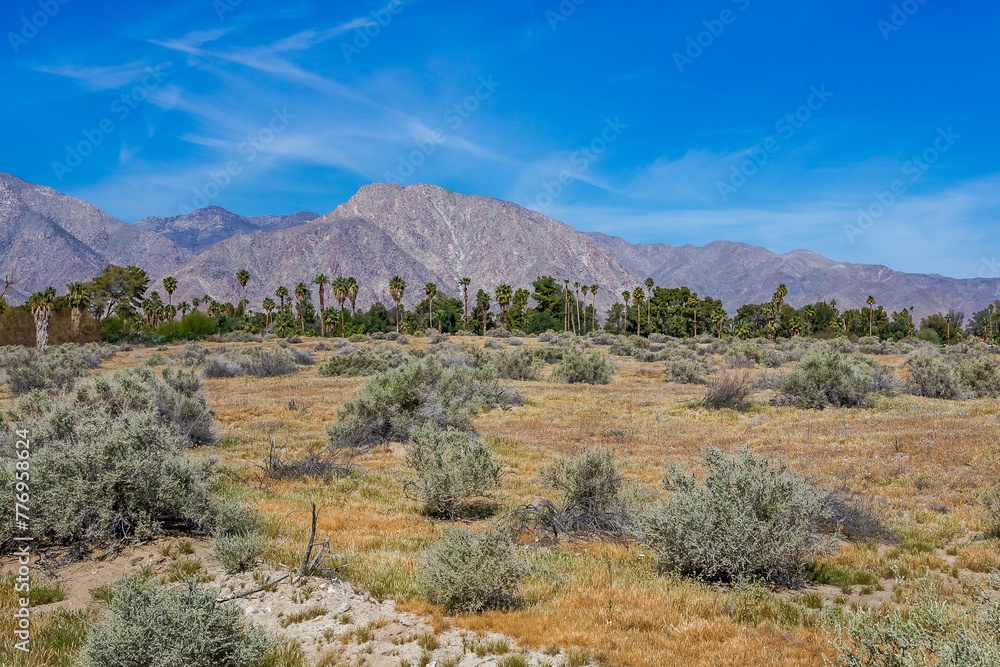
pixel 794 353
pixel 467 572
pixel 516 342
pixel 745 348
pixel 156 360
pixel 658 338
pixel 423 391
pixel 771 358
pixel 499 333
pixel 924 630
pixel 302 357
pixel 546 336
pixel 220 367
pixel 875 345
pixel 827 377
pixel 298 339
pixel 149 626
pixel 738 361
pixel 191 354
pixel 322 346
pixel 266 362
pixel 402 340
pixel 493 344
pixel 685 371
pixel 449 468
pixel 114 479
pixel 58 369
pixel 841 344
pixel 729 390
pixel 932 376
pixel 515 364
pixel 856 516
pixel 577 367
pixel 750 518
pixel 238 551
pixel 353 362
pixel 239 337
pixel 592 481
pixel 953 375
pixel 596 337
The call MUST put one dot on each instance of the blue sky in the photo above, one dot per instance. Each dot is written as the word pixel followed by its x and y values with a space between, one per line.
pixel 775 124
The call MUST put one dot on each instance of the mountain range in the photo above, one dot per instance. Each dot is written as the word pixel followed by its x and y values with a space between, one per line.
pixel 425 234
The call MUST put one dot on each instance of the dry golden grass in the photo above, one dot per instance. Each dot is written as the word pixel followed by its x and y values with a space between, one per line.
pixel 927 461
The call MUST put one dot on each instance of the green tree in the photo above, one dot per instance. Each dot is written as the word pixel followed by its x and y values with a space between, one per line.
pixel 243 277
pixel 268 307
pixel 483 303
pixel 78 299
pixel 396 288
pixel 281 293
pixel 503 296
pixel 41 309
pixel 465 282
pixel 118 289
pixel 871 312
pixel 301 295
pixel 169 285
pixel 352 294
pixel 639 296
pixel 322 281
pixel 430 289
pixel 339 290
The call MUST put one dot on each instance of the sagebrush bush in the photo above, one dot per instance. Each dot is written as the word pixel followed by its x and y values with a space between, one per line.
pixel 450 469
pixel 771 358
pixel 685 371
pixel 191 354
pixel 954 375
pixel 423 391
pixel 493 344
pixel 239 337
pixel 924 630
pixel 591 481
pixel 745 348
pixel 750 518
pixel 238 551
pixel 729 390
pixel 220 367
pixel 932 376
pixel 575 366
pixel 738 361
pixel 826 377
pixel 515 364
pixel 467 572
pixel 355 362
pixel 266 362
pixel 58 369
pixel 149 626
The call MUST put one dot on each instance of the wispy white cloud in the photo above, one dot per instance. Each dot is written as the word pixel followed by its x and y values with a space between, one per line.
pixel 97 77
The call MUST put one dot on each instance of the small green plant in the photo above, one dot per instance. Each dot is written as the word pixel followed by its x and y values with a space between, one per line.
pixel 238 551
pixel 729 390
pixel 685 371
pixel 450 469
pixel 467 572
pixel 148 626
pixel 428 642
pixel 576 366
pixel 749 519
pixel 826 377
pixel 515 660
pixel 365 634
pixel 303 615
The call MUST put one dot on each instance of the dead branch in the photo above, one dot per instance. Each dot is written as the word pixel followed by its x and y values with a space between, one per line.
pixel 312 542
pixel 253 590
pixel 8 281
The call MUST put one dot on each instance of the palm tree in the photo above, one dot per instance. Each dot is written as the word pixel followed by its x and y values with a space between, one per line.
pixel 576 308
pixel 352 293
pixel 593 293
pixel 465 282
pixel 339 290
pixel 771 309
pixel 638 295
pixel 78 300
pixel 195 302
pixel 719 318
pixel 243 277
pixel 169 285
pixel 504 294
pixel 649 304
pixel 810 313
pixel 322 280
pixel 483 301
pixel 693 302
pixel 301 294
pixel 396 288
pixel 871 313
pixel 742 329
pixel 779 296
pixel 990 320
pixel 268 307
pixel 566 306
pixel 41 309
pixel 184 307
pixel 329 317
pixel 281 293
pixel 626 295
pixel 430 289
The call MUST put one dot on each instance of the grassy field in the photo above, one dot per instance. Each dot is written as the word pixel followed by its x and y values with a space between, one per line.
pixel 927 463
